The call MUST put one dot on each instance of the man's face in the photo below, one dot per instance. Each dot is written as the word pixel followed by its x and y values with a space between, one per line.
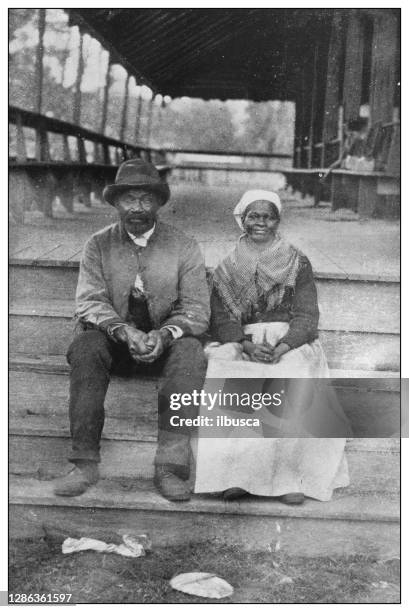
pixel 137 209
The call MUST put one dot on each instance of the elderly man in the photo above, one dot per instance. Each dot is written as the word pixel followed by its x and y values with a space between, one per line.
pixel 141 302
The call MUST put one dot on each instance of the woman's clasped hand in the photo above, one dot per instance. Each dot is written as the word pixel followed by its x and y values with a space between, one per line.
pixel 265 353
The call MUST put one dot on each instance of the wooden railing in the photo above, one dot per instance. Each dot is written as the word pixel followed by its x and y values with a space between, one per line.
pixel 382 145
pixel 229 153
pixel 50 158
pixel 76 144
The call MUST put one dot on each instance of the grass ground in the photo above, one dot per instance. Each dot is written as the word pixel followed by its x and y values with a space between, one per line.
pixel 37 566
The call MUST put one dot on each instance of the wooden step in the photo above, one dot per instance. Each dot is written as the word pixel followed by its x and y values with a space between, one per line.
pixel 53 364
pixel 345 304
pixel 39 446
pixel 45 394
pixel 348 524
pixel 39 429
pixel 46 326
pixel 43 279
pixel 372 405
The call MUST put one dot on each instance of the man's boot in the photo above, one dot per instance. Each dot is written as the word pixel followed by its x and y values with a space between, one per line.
pixel 170 485
pixel 83 475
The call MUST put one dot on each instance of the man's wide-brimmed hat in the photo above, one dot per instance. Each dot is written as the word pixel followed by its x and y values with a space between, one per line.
pixel 137 174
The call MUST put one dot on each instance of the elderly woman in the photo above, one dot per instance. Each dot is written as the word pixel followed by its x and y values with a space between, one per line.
pixel 265 313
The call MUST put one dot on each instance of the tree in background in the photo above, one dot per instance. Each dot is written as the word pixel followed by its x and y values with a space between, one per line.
pixel 268 127
pixel 195 124
pixel 180 123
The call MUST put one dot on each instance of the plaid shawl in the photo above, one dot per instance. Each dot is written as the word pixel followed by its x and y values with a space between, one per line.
pixel 249 280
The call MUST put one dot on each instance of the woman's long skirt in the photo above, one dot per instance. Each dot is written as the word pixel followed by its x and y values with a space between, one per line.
pixel 267 466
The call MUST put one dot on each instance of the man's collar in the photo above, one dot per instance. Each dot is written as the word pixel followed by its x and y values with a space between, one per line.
pixel 142 240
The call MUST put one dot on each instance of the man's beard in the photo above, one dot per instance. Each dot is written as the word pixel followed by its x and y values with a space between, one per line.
pixel 139 224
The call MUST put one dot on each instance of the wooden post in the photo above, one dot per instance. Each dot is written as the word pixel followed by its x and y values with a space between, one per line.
pixel 332 91
pixel 383 68
pixel 41 136
pixel 312 109
pixel 106 98
pixel 303 113
pixel 159 116
pixel 125 109
pixel 77 97
pixel 42 148
pixel 322 155
pixel 299 121
pixel 82 154
pixel 107 157
pixel 150 117
pixel 66 149
pixel 340 136
pixel 21 152
pixel 138 118
pixel 40 58
pixel 354 58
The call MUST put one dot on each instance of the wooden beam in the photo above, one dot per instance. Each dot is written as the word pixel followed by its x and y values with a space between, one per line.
pixel 33 120
pixel 104 114
pixel 332 90
pixel 40 59
pixel 125 109
pixel 312 108
pixel 354 60
pixel 80 71
pixel 383 68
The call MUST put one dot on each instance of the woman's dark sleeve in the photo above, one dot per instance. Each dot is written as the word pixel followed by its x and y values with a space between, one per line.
pixel 304 312
pixel 223 327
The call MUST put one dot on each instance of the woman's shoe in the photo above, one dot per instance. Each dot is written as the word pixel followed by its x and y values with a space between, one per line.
pixel 170 485
pixel 293 499
pixel 233 493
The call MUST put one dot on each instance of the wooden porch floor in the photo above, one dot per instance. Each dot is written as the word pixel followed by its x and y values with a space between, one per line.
pixel 367 250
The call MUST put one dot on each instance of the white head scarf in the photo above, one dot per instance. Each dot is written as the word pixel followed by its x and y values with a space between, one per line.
pixel 253 196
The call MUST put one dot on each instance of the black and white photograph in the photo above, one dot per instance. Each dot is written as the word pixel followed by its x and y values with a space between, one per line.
pixel 204 305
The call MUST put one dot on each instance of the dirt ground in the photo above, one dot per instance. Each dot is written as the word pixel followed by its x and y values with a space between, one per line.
pixel 37 566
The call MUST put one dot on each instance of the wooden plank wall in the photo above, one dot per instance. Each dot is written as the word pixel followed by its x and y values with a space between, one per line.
pixel 354 61
pixel 342 85
pixel 333 85
pixel 383 68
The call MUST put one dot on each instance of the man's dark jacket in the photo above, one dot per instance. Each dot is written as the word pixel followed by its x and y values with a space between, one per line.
pixel 172 270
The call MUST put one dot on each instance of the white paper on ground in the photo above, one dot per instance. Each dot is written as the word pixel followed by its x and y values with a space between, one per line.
pixel 202 584
pixel 133 546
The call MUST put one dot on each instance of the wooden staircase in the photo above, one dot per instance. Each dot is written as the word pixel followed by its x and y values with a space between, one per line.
pixel 362 343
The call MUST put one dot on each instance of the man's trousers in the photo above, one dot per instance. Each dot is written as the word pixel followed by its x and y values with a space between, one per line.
pixel 93 357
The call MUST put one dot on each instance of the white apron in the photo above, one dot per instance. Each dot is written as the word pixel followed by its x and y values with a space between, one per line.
pixel 313 466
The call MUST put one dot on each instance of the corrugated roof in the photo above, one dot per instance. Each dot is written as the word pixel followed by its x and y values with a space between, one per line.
pixel 210 53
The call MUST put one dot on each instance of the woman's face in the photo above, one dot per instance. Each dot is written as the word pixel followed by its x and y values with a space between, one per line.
pixel 260 221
